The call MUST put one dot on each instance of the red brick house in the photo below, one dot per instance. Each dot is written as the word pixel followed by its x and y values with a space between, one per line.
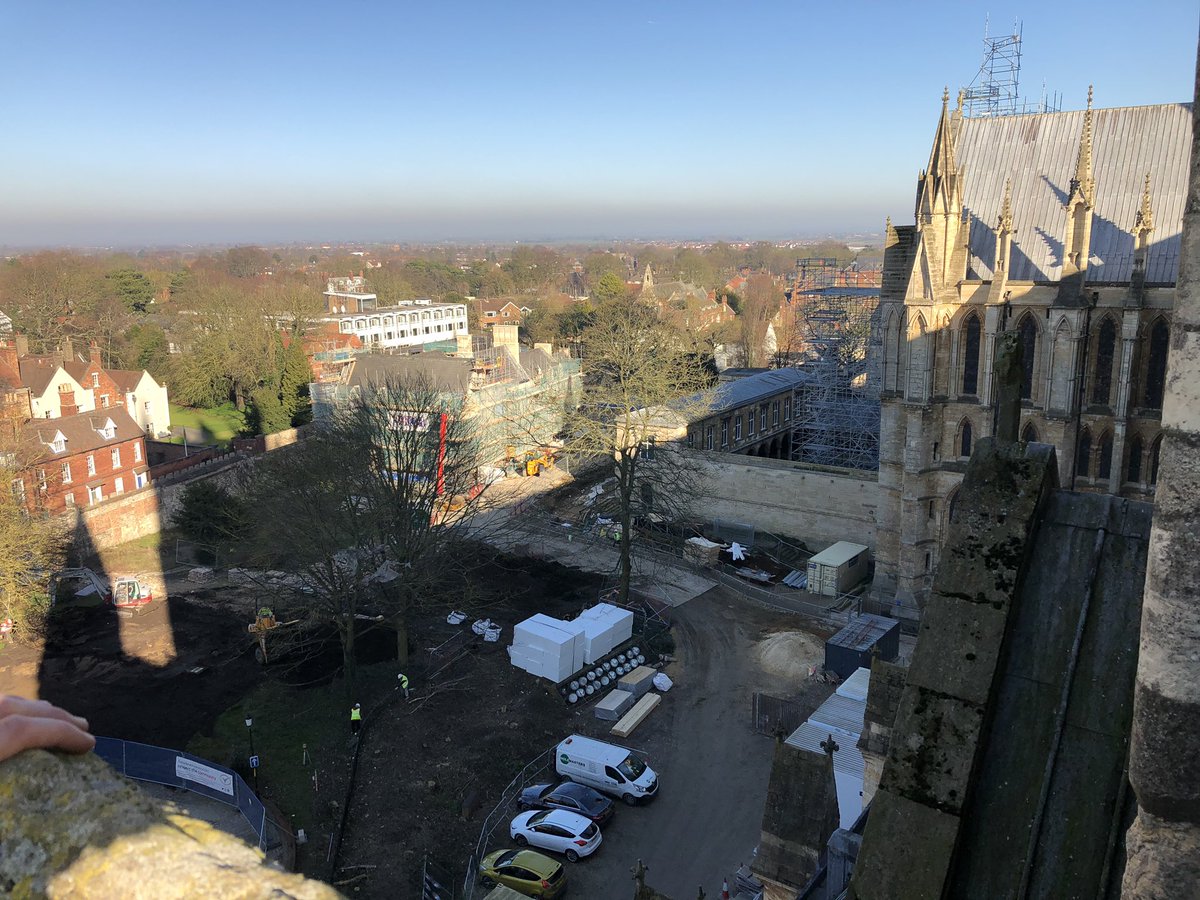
pixel 498 310
pixel 81 460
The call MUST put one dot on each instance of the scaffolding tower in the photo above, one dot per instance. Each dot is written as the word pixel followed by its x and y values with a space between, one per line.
pixel 835 410
pixel 996 87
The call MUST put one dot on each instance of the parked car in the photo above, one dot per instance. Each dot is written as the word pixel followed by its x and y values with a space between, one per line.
pixel 572 797
pixel 533 874
pixel 606 767
pixel 564 832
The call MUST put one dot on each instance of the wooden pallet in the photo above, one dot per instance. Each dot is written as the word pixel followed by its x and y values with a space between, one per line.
pixel 633 718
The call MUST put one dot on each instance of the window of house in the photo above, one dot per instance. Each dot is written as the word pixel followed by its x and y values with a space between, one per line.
pixel 787 408
pixel 775 414
pixel 762 412
pixel 708 437
pixel 116 457
pixel 1027 333
pixel 505 314
pixel 345 327
pixel 753 422
pixel 66 473
pixel 18 491
pixel 41 477
pixel 95 380
pixel 970 378
pixel 1106 345
pixel 1135 459
pixel 387 335
pixel 737 428
pixel 59 445
pixel 1156 372
pixel 1104 464
pixel 119 486
pixel 427 329
pixel 104 401
pixel 691 440
pixel 1083 455
pixel 95 494
pixel 147 406
pixel 91 464
pixel 724 433
pixel 69 498
pixel 139 480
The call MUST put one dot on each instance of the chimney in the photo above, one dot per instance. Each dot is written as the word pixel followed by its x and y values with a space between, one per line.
pixel 506 336
pixel 68 351
pixel 66 401
pixel 464 350
pixel 94 354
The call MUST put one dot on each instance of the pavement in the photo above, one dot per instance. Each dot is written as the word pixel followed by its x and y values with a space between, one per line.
pixel 713 768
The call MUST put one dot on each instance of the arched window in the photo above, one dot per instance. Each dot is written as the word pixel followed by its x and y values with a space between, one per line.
pixel 1083 454
pixel 964 438
pixel 1135 459
pixel 1106 346
pixel 1104 464
pixel 970 377
pixel 1027 331
pixel 1154 451
pixel 1029 433
pixel 1156 370
pixel 952 505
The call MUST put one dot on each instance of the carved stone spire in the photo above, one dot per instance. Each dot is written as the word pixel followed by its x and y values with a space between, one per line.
pixel 1144 223
pixel 1082 184
pixel 1006 221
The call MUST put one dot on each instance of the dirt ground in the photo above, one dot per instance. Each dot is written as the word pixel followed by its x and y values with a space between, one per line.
pixel 430 770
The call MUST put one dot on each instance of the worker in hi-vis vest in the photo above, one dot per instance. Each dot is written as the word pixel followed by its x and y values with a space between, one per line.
pixel 355 718
pixel 403 679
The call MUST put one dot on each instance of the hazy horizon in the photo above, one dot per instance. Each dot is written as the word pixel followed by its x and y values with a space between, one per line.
pixel 176 125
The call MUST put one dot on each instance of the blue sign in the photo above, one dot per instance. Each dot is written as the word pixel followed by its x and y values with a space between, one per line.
pixel 254 762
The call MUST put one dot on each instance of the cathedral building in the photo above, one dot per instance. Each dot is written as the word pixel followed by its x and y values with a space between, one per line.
pixel 1065 228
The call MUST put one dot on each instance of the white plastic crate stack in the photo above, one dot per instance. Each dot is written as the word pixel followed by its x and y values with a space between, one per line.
pixel 604 626
pixel 548 648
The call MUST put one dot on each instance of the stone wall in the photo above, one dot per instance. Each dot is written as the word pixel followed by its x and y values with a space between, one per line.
pixel 72 827
pixel 816 505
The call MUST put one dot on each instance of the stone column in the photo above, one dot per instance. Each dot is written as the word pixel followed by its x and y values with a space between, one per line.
pixel 1163 844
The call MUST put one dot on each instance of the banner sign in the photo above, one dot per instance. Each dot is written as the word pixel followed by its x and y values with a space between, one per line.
pixel 190 770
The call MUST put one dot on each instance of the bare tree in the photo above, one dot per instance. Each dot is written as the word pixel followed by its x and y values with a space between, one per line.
pixel 760 304
pixel 643 382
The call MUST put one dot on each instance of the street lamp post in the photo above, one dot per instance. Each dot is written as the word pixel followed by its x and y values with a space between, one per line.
pixel 253 758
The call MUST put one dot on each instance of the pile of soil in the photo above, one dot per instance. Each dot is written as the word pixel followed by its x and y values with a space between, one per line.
pixel 789 654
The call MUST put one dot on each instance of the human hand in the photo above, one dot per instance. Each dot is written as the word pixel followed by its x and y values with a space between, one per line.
pixel 28 724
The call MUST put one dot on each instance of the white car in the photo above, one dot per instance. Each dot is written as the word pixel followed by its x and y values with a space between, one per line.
pixel 564 832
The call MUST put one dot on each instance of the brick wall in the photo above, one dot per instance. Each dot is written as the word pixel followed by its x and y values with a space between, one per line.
pixel 818 506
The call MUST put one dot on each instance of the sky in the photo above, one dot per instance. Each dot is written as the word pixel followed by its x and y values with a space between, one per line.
pixel 152 123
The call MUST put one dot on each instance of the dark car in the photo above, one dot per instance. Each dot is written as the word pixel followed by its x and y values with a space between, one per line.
pixel 569 796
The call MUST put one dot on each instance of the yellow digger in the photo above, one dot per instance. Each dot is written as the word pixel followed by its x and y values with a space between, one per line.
pixel 537 460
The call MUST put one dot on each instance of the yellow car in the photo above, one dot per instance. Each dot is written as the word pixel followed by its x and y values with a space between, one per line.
pixel 527 871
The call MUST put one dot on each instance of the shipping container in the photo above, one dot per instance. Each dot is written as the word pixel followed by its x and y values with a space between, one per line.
pixel 838 568
pixel 852 647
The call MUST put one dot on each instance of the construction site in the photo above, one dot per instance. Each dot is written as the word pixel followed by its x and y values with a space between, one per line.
pixel 834 325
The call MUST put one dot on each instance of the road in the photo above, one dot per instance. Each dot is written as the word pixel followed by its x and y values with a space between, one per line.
pixel 713 768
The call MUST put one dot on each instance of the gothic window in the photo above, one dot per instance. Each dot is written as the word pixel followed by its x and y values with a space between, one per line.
pixel 1135 459
pixel 1106 345
pixel 952 505
pixel 1027 331
pixel 964 438
pixel 1154 451
pixel 1083 454
pixel 1104 464
pixel 1156 372
pixel 1029 433
pixel 970 377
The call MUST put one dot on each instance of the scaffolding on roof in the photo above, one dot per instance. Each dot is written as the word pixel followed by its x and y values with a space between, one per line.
pixel 996 88
pixel 835 412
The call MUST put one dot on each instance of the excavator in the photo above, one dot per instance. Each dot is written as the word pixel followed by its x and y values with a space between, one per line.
pixel 537 460
pixel 126 591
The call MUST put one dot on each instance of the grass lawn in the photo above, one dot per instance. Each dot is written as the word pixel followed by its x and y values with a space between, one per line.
pixel 219 424
pixel 285 720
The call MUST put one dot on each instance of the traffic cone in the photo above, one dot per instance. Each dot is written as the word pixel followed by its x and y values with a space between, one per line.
pixel 725 889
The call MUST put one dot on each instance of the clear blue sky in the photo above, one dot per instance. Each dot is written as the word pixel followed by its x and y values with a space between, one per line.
pixel 163 122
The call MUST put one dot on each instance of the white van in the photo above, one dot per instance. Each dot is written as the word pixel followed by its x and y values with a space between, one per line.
pixel 606 767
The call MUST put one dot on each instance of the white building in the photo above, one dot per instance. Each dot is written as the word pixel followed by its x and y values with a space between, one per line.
pixel 408 324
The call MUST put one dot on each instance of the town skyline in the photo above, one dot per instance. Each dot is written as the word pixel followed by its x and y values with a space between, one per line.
pixel 271 126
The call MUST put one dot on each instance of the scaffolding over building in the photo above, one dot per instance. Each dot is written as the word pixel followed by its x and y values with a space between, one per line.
pixel 836 410
pixel 996 88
